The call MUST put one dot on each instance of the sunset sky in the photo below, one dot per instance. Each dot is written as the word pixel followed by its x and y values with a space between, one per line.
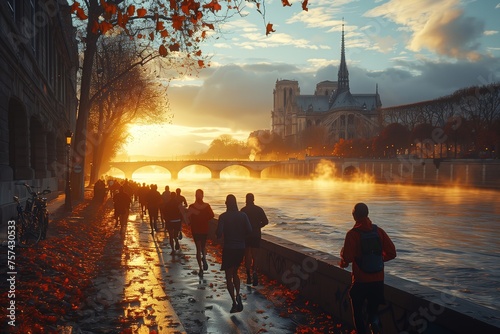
pixel 415 50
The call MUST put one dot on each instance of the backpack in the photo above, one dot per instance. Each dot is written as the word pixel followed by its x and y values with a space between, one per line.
pixel 371 260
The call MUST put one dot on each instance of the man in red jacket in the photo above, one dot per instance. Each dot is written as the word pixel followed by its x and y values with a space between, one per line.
pixel 367 284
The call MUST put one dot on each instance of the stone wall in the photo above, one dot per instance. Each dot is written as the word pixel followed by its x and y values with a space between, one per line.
pixel 38 75
pixel 435 172
pixel 409 308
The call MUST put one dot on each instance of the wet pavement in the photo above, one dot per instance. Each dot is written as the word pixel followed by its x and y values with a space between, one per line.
pixel 150 291
pixel 139 287
pixel 163 292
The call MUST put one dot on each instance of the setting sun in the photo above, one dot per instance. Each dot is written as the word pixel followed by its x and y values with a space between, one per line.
pixel 169 141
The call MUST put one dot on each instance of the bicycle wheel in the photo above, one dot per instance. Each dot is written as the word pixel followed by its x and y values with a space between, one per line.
pixel 43 218
pixel 31 231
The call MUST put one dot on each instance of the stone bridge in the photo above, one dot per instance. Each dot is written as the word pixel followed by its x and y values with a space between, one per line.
pixel 175 166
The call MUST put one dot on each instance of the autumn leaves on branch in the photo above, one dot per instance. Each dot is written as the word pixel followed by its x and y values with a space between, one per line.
pixel 179 24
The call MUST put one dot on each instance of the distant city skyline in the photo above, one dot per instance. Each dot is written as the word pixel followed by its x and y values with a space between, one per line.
pixel 415 50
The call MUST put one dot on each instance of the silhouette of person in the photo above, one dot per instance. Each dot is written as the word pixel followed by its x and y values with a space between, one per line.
pixel 114 186
pixel 234 226
pixel 199 215
pixel 143 197
pixel 173 221
pixel 99 190
pixel 154 202
pixel 182 200
pixel 258 220
pixel 122 202
pixel 365 286
pixel 165 197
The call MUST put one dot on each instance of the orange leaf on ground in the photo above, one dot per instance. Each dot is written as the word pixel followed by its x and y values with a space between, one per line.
pixel 201 63
pixel 286 3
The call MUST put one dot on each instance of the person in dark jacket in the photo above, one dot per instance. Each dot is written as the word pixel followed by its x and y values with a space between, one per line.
pixel 122 202
pixel 173 219
pixel 258 220
pixel 367 286
pixel 154 201
pixel 199 215
pixel 234 226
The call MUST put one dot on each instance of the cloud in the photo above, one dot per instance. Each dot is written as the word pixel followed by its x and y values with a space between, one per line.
pixel 438 26
pixel 233 97
pixel 240 98
pixel 320 17
pixel 425 80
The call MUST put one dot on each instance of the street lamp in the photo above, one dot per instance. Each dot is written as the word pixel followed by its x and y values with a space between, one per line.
pixel 67 201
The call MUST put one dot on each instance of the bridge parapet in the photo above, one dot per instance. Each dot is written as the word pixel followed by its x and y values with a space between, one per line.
pixel 215 167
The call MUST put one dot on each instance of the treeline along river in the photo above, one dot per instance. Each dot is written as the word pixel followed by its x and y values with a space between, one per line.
pixel 447 238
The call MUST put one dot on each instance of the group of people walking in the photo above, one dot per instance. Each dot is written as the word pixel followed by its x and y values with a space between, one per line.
pixel 240 230
pixel 366 245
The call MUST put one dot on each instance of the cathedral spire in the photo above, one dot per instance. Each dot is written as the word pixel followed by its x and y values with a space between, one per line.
pixel 343 76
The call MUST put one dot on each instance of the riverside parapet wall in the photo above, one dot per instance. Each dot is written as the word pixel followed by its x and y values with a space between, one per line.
pixel 479 173
pixel 409 307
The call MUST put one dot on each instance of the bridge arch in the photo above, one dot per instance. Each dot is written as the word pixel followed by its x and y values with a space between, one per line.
pixel 215 166
pixel 115 171
pixel 153 170
pixel 196 169
pixel 236 170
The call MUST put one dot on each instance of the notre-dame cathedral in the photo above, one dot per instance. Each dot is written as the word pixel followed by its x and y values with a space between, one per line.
pixel 332 107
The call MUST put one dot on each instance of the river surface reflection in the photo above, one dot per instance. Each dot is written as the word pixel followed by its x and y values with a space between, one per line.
pixel 447 238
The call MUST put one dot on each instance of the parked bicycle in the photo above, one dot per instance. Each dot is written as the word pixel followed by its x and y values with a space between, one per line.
pixel 32 221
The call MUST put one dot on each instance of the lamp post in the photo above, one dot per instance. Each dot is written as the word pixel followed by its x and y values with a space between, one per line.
pixel 67 202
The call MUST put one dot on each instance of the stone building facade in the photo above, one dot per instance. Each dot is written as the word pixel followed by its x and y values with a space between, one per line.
pixel 38 66
pixel 332 106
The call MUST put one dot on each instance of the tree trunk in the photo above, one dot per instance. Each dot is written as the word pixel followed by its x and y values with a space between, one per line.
pixel 80 139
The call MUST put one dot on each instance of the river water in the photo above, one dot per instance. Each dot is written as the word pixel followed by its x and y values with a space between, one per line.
pixel 447 238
